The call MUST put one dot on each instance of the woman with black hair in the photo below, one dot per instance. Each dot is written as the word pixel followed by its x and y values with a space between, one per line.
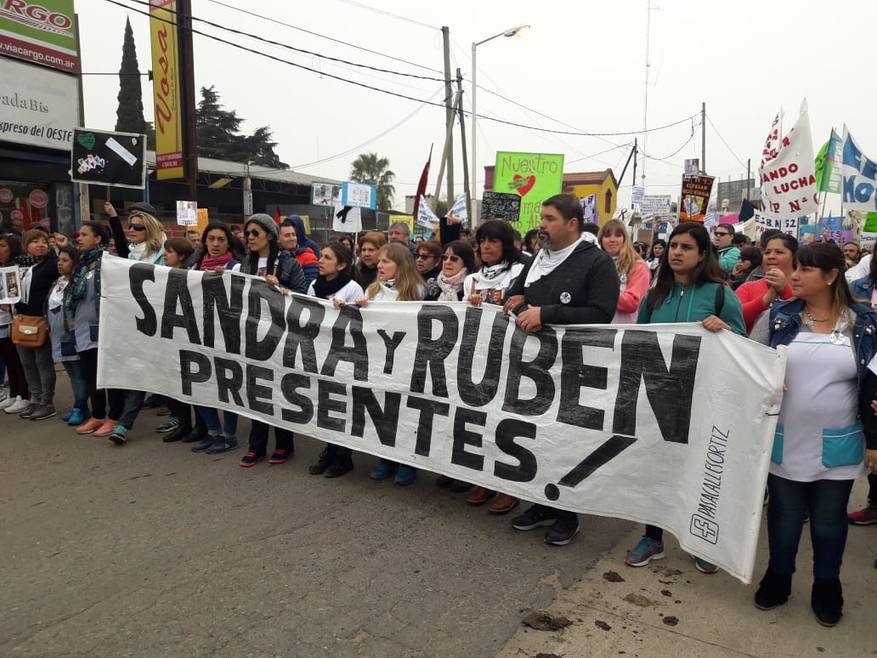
pixel 689 288
pixel 499 263
pixel 826 434
pixel 777 263
pixel 499 269
pixel 531 242
pixel 335 283
pixel 19 395
pixel 655 253
pixel 280 269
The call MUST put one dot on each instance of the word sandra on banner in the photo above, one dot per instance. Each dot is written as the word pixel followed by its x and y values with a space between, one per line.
pixel 669 425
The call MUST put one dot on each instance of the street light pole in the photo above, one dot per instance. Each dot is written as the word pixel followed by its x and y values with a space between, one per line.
pixel 512 31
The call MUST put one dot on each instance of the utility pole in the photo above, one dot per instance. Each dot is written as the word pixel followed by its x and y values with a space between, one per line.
pixel 748 175
pixel 646 87
pixel 635 148
pixel 703 137
pixel 449 111
pixel 469 199
pixel 187 71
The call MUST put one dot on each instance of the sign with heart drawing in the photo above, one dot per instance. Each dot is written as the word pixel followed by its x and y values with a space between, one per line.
pixel 531 176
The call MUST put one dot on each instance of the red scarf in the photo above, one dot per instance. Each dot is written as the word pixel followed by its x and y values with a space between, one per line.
pixel 208 264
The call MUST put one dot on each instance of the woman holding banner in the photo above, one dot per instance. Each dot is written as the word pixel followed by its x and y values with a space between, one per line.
pixel 633 273
pixel 280 269
pixel 218 255
pixel 397 280
pixel 689 288
pixel 458 260
pixel 777 262
pixel 335 284
pixel 500 266
pixel 366 270
pixel 826 423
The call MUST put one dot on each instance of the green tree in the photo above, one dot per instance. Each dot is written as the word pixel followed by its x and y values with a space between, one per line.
pixel 369 168
pixel 129 114
pixel 218 134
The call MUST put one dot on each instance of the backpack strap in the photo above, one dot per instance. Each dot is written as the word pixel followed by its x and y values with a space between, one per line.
pixel 720 299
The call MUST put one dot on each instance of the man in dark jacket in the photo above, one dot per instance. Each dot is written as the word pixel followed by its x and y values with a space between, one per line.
pixel 569 281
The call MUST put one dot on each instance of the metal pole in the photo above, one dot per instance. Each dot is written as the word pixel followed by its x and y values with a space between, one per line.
pixel 703 137
pixel 635 149
pixel 646 87
pixel 449 111
pixel 748 175
pixel 473 187
pixel 470 205
pixel 187 69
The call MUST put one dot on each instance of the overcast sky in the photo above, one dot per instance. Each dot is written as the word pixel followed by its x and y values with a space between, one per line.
pixel 581 63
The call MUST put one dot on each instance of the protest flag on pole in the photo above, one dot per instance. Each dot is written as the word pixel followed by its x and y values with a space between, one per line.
pixel 421 186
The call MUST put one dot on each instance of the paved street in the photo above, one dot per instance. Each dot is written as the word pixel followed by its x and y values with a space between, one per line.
pixel 150 550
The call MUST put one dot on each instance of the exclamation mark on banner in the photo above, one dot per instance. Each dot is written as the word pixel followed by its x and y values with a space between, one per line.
pixel 605 453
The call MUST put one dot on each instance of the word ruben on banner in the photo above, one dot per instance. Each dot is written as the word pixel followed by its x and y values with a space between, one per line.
pixel 666 424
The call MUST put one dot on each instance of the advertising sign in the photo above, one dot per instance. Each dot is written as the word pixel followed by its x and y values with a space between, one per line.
pixel 40 31
pixel 38 106
pixel 108 158
pixel 166 90
pixel 533 177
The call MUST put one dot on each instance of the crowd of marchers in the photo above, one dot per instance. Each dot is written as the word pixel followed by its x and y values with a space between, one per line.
pixel 818 300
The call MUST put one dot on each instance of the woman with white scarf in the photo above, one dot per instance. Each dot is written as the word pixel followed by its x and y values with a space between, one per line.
pixel 142 239
pixel 499 263
pixel 499 269
pixel 458 260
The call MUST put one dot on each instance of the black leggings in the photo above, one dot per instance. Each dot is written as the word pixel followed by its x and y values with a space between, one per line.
pixel 259 438
pixel 97 395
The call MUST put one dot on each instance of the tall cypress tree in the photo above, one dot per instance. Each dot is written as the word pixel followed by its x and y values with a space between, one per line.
pixel 129 115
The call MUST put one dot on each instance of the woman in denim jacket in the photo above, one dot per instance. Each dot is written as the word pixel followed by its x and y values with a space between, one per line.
pixel 819 448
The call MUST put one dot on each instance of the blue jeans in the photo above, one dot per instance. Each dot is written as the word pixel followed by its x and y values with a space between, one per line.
pixel 826 501
pixel 78 383
pixel 229 426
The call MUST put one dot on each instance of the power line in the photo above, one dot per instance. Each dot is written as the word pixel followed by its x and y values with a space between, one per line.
pixel 384 12
pixel 396 125
pixel 280 44
pixel 393 93
pixel 727 146
pixel 324 36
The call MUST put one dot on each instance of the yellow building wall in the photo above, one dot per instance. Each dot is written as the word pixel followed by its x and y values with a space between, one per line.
pixel 600 190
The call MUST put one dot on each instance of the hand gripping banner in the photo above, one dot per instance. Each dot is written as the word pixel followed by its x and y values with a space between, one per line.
pixel 665 424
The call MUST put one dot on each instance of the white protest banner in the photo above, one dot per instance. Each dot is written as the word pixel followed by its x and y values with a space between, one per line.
pixel 788 173
pixel 426 217
pixel 458 210
pixel 859 177
pixel 346 219
pixel 636 194
pixel 187 213
pixel 655 205
pixel 666 424
pixel 764 223
pixel 10 285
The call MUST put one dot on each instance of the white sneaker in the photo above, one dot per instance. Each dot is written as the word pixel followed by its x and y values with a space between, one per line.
pixel 8 402
pixel 17 407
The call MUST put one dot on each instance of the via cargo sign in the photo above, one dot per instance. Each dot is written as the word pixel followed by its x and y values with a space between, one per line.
pixel 41 32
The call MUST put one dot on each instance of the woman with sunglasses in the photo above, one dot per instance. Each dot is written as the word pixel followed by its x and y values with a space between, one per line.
pixel 427 259
pixel 279 268
pixel 458 260
pixel 142 239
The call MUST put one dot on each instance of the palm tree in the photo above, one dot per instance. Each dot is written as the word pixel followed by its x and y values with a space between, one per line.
pixel 369 168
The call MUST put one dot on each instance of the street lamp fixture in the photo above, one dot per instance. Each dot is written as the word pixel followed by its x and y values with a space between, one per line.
pixel 511 32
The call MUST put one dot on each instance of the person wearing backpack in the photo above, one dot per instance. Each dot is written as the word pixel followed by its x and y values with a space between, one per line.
pixel 689 288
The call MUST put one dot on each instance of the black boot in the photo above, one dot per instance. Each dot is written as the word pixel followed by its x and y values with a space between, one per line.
pixel 827 601
pixel 198 433
pixel 325 460
pixel 176 435
pixel 339 467
pixel 773 590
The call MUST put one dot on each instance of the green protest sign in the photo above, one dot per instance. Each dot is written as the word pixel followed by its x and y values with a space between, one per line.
pixel 41 32
pixel 870 222
pixel 532 176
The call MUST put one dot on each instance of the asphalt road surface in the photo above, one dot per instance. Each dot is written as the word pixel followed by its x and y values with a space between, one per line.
pixel 150 550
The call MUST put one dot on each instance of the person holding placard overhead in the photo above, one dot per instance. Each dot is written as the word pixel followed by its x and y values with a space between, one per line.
pixel 569 281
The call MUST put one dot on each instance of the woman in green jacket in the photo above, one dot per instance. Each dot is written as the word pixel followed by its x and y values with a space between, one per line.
pixel 689 288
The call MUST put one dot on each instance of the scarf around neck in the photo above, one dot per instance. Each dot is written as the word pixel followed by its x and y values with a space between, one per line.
pixel 451 286
pixel 324 288
pixel 29 261
pixel 75 290
pixel 210 263
pixel 138 251
pixel 490 277
pixel 547 261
